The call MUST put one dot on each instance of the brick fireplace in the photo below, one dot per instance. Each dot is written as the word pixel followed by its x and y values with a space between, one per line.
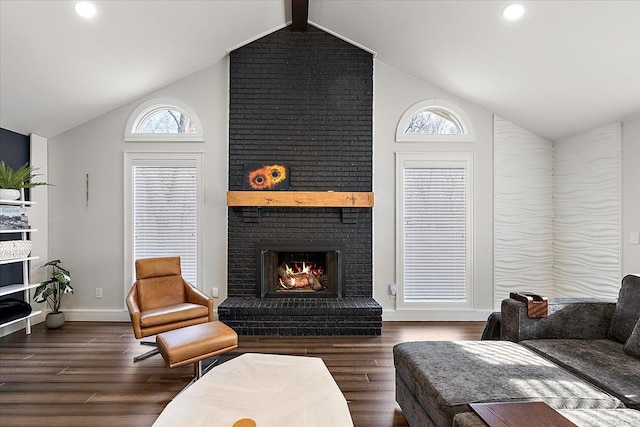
pixel 304 100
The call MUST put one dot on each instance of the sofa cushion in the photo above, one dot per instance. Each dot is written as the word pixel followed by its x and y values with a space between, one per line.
pixel 172 314
pixel 580 417
pixel 601 362
pixel 445 376
pixel 412 410
pixel 632 345
pixel 627 309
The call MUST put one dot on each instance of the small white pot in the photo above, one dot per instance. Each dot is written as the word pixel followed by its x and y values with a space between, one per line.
pixel 54 320
pixel 9 194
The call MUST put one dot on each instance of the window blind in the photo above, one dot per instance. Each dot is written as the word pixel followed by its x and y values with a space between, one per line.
pixel 165 215
pixel 434 203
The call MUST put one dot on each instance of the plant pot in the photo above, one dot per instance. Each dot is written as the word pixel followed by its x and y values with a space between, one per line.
pixel 9 194
pixel 54 320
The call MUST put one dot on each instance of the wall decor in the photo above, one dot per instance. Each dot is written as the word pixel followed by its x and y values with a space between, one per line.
pixel 13 218
pixel 261 176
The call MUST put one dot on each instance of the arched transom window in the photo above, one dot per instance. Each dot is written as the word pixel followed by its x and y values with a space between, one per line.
pixel 163 120
pixel 434 120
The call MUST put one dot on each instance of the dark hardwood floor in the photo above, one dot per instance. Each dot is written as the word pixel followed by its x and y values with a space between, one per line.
pixel 83 374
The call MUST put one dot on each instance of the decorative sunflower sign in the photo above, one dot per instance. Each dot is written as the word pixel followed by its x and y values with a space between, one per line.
pixel 260 176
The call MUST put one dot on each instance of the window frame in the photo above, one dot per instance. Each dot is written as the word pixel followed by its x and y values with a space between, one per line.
pixel 434 160
pixel 132 159
pixel 147 108
pixel 460 118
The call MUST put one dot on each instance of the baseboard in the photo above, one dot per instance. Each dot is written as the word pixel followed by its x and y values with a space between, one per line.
pixel 387 316
pixel 78 316
pixel 97 315
pixel 435 315
pixel 101 315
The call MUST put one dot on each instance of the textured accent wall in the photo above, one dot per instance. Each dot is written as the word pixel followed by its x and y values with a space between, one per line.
pixel 523 211
pixel 587 207
pixel 306 100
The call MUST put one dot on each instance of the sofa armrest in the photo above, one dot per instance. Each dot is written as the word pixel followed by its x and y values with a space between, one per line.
pixel 577 318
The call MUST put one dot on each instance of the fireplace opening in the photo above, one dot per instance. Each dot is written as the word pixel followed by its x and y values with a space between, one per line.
pixel 295 269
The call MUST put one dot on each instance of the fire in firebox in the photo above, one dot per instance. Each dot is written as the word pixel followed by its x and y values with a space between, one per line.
pixel 295 269
pixel 301 276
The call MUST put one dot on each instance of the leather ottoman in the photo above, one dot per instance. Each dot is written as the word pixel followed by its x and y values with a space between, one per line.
pixel 193 344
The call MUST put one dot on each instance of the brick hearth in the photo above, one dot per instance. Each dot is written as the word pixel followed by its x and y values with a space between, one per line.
pixel 302 316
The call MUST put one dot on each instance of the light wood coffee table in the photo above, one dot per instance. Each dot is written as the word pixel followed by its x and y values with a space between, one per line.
pixel 273 390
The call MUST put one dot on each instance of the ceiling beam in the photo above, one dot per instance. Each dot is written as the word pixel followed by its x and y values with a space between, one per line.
pixel 299 15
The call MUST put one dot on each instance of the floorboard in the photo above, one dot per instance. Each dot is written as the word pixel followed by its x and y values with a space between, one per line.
pixel 83 374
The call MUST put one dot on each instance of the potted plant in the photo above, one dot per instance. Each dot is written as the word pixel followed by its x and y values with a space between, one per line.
pixel 52 291
pixel 12 181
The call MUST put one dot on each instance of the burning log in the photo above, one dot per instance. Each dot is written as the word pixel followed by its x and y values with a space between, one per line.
pixel 315 283
pixel 304 278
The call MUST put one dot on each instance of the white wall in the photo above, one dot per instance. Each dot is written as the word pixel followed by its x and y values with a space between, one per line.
pixel 90 240
pixel 587 207
pixel 39 213
pixel 394 93
pixel 630 195
pixel 523 209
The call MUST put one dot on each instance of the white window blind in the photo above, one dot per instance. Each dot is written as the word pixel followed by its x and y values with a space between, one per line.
pixel 434 230
pixel 165 214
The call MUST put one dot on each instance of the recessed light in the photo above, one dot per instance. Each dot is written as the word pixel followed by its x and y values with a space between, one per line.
pixel 513 12
pixel 85 9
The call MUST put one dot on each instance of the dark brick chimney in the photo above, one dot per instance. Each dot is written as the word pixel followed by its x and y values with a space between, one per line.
pixel 304 99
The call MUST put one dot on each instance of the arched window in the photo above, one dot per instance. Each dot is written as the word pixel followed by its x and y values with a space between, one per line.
pixel 163 120
pixel 434 120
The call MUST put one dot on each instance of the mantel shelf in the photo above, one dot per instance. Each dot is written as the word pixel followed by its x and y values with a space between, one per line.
pixel 300 199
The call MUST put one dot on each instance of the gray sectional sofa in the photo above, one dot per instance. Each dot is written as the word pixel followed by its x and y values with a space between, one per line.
pixel 583 357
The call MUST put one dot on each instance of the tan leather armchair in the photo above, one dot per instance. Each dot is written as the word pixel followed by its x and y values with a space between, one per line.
pixel 161 300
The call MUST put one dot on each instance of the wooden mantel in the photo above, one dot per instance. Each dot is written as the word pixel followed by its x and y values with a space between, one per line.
pixel 301 199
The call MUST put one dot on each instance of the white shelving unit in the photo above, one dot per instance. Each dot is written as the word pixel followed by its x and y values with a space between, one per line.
pixel 25 286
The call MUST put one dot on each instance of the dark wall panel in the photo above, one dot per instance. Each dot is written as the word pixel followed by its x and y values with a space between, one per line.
pixel 304 99
pixel 15 152
pixel 14 148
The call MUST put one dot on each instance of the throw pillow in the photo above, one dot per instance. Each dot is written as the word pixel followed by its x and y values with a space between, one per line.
pixel 632 346
pixel 627 309
pixel 12 309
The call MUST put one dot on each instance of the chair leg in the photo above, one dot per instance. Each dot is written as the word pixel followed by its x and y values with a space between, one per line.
pixel 213 363
pixel 149 353
pixel 199 371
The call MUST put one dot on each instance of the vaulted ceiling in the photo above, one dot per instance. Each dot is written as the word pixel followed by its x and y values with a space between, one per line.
pixel 565 68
